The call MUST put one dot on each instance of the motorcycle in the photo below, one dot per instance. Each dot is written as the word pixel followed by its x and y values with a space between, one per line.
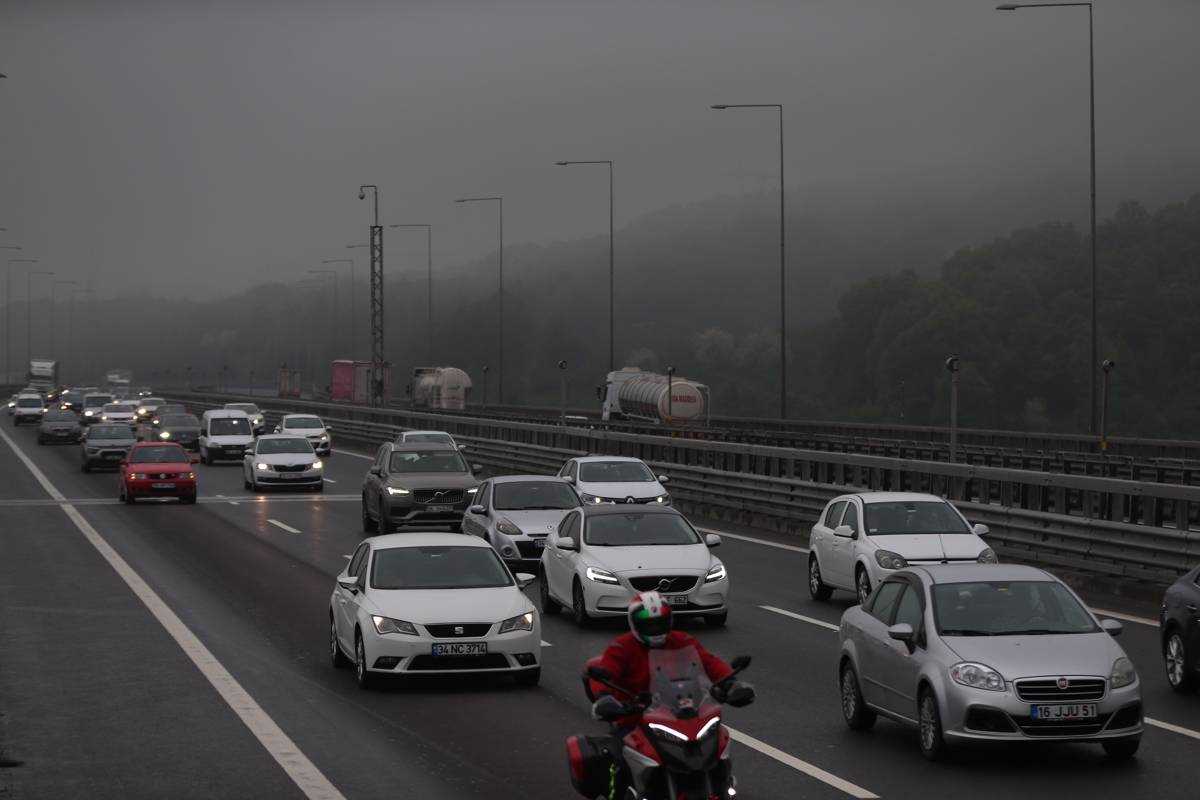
pixel 677 750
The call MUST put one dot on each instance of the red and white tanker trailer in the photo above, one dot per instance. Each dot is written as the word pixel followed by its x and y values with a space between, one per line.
pixel 631 393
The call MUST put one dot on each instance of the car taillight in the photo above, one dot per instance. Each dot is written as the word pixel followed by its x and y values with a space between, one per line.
pixel 575 759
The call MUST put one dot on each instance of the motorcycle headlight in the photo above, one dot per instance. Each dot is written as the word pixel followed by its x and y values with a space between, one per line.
pixel 522 622
pixel 261 465
pixel 988 556
pixel 165 435
pixel 715 573
pixel 508 528
pixel 709 726
pixel 668 730
pixel 889 560
pixel 384 625
pixel 395 490
pixel 977 676
pixel 1123 673
pixel 601 576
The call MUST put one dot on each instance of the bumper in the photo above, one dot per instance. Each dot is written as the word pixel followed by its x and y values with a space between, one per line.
pixel 978 715
pixel 66 437
pixel 271 478
pixel 415 514
pixel 110 457
pixel 227 452
pixel 166 488
pixel 414 653
pixel 606 600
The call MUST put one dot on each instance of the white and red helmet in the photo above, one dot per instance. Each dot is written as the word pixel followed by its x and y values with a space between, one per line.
pixel 650 619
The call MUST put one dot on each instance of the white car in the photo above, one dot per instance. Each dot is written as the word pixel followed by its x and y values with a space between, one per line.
pixel 93 407
pixel 118 412
pixel 281 459
pixel 432 603
pixel 602 555
pixel 257 421
pixel 437 437
pixel 224 433
pixel 146 407
pixel 29 408
pixel 615 479
pixel 860 539
pixel 310 427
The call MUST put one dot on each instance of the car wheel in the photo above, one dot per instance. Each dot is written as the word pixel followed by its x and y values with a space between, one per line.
pixel 207 458
pixel 336 657
pixel 368 524
pixel 816 586
pixel 529 677
pixel 929 728
pixel 856 713
pixel 384 524
pixel 579 610
pixel 716 620
pixel 126 497
pixel 86 467
pixel 549 604
pixel 319 488
pixel 1175 657
pixel 1122 749
pixel 246 482
pixel 361 676
pixel 188 499
pixel 862 585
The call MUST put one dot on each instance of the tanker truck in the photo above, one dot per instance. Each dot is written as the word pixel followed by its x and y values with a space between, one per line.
pixel 446 388
pixel 631 393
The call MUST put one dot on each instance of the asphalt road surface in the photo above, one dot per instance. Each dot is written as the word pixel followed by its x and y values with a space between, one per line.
pixel 179 651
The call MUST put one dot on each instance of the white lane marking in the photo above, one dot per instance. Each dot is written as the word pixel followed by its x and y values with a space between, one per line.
pixel 828 778
pixel 819 623
pixel 223 497
pixel 282 525
pixel 794 548
pixel 330 480
pixel 298 767
pixel 1166 726
pixel 356 455
pixel 546 644
pixel 1100 612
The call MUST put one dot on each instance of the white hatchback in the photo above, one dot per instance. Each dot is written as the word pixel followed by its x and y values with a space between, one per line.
pixel 310 427
pixel 432 603
pixel 615 479
pixel 860 539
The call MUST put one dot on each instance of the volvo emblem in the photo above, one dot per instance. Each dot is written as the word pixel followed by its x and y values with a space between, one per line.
pixel 664 584
pixel 458 630
pixel 1063 683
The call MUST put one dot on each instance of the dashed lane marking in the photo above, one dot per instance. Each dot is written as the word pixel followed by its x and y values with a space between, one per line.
pixel 1100 612
pixel 794 548
pixel 310 780
pixel 330 480
pixel 356 455
pixel 231 502
pixel 1166 726
pixel 811 621
pixel 283 525
pixel 813 771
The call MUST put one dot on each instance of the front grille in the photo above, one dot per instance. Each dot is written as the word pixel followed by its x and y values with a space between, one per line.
pixel 472 629
pixel 1046 690
pixel 433 663
pixel 291 467
pixel 438 496
pixel 625 500
pixel 528 549
pixel 163 476
pixel 675 583
pixel 1081 727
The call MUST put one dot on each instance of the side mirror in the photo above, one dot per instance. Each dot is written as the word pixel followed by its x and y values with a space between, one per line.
pixel 712 540
pixel 374 471
pixel 276 429
pixel 901 632
pixel 329 429
pixel 663 479
pixel 1112 627
pixel 462 446
pixel 739 663
pixel 524 579
pixel 845 531
pixel 568 478
pixel 477 509
pixel 566 543
pixel 980 530
pixel 608 708
pixel 477 467
pixel 349 583
pixel 124 462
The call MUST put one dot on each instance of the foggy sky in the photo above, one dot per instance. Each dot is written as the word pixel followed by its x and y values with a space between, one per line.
pixel 202 146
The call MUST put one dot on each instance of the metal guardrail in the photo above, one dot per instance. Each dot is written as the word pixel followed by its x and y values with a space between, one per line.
pixel 1136 529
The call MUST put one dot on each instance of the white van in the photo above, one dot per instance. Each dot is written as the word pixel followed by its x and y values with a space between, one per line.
pixel 225 434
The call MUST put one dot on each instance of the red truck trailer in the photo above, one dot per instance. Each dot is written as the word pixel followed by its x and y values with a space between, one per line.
pixel 351 382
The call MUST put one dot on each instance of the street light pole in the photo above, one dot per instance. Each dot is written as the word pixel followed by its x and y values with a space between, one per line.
pixel 8 311
pixel 562 414
pixel 353 319
pixel 1107 366
pixel 500 200
pixel 29 310
pixel 377 335
pixel 952 366
pixel 428 287
pixel 611 281
pixel 782 255
pixel 1092 362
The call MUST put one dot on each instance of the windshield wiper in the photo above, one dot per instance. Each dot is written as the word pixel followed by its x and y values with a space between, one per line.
pixel 1036 632
pixel 965 632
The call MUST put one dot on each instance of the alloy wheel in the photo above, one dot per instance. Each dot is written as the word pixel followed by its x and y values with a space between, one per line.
pixel 1176 660
pixel 360 660
pixel 849 694
pixel 814 576
pixel 864 587
pixel 929 723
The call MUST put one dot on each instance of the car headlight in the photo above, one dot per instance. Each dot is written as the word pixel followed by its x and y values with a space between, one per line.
pixel 261 465
pixel 137 476
pixel 324 437
pixel 522 622
pixel 165 435
pixel 318 464
pixel 889 560
pixel 88 413
pixel 988 556
pixel 191 476
pixel 601 576
pixel 665 499
pixel 590 498
pixel 104 417
pixel 154 422
pixel 395 490
pixel 1123 673
pixel 384 625
pixel 715 573
pixel 977 676
pixel 508 528
pixel 473 490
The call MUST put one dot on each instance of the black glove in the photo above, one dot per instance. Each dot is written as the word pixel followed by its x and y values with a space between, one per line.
pixel 608 708
pixel 735 693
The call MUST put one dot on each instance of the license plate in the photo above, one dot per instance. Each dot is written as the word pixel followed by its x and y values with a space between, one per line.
pixel 1067 711
pixel 439 509
pixel 112 456
pixel 460 649
pixel 675 599
pixel 162 486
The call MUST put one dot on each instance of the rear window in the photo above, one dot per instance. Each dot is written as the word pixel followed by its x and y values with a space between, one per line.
pixel 97 399
pixel 159 453
pixel 28 402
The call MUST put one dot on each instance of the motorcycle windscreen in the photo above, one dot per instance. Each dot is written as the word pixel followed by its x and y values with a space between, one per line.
pixel 678 682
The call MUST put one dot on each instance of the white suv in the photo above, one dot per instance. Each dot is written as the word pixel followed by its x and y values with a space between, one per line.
pixel 311 428
pixel 860 539
pixel 615 479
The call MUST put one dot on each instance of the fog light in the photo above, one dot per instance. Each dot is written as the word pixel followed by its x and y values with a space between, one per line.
pixel 508 550
pixel 386 662
pixel 525 659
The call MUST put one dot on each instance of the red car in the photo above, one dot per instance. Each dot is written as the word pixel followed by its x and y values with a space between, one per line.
pixel 158 470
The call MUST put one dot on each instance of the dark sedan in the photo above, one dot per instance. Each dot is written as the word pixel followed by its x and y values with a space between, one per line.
pixel 58 426
pixel 183 429
pixel 105 444
pixel 1179 621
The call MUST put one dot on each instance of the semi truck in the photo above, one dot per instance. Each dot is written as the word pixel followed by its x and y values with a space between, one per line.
pixel 119 382
pixel 350 382
pixel 43 374
pixel 446 388
pixel 631 393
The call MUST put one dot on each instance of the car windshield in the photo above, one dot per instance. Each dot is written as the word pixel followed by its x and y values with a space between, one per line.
pixel 436 438
pixel 59 416
pixel 28 402
pixel 638 530
pixel 432 461
pixel 93 400
pixel 1008 608
pixel 229 426
pixel 180 421
pixel 159 453
pixel 531 495
pixel 288 445
pixel 909 516
pixel 438 567
pixel 116 408
pixel 302 423
pixel 615 472
pixel 109 432
pixel 249 408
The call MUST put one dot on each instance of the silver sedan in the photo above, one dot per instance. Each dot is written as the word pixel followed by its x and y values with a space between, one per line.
pixel 987 653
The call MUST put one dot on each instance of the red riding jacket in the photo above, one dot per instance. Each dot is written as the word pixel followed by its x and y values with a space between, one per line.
pixel 628 662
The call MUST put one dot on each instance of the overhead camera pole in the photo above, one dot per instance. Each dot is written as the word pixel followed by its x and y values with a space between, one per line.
pixel 376 298
pixel 952 367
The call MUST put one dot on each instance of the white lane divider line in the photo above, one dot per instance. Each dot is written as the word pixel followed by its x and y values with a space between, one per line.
pixel 813 771
pixel 819 623
pixel 356 455
pixel 330 480
pixel 546 644
pixel 1100 612
pixel 223 497
pixel 794 548
pixel 1166 726
pixel 283 525
pixel 294 763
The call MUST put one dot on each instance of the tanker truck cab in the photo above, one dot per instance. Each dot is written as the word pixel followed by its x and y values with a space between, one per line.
pixel 225 434
pixel 615 479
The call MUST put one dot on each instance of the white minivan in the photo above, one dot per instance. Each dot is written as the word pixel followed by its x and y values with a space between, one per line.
pixel 225 434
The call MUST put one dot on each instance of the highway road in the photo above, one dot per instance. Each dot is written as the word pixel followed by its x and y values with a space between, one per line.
pixel 180 651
